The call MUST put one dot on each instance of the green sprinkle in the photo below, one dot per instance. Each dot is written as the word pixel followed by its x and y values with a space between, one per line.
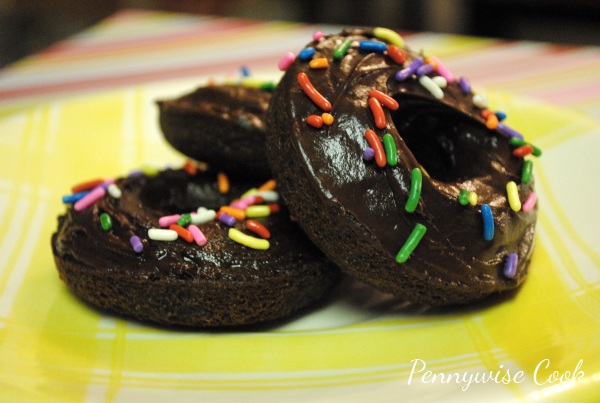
pixel 105 222
pixel 411 243
pixel 390 150
pixel 342 49
pixel 185 220
pixel 389 36
pixel 463 197
pixel 518 143
pixel 268 86
pixel 415 190
pixel 526 172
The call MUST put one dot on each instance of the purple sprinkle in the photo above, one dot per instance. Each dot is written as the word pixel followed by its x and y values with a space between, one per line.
pixel 464 84
pixel 227 219
pixel 425 69
pixel 136 173
pixel 368 154
pixel 136 243
pixel 510 270
pixel 509 131
pixel 410 70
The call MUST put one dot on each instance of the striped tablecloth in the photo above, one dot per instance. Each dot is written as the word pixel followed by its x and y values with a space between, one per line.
pixel 85 107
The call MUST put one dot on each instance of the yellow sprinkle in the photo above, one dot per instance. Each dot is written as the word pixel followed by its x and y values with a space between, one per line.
pixel 249 192
pixel 149 170
pixel 258 211
pixel 473 198
pixel 389 36
pixel 513 196
pixel 247 240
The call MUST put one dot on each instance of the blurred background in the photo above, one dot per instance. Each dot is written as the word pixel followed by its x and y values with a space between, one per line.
pixel 27 26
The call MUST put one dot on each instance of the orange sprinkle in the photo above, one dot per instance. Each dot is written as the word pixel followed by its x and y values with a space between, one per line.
pixel 223 182
pixel 327 118
pixel 312 93
pixel 182 232
pixel 377 146
pixel 523 151
pixel 315 121
pixel 268 185
pixel 378 114
pixel 396 54
pixel 236 213
pixel 80 187
pixel 384 99
pixel 319 63
pixel 258 229
pixel 491 122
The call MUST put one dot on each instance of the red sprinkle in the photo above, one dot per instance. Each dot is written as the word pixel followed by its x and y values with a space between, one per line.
pixel 377 146
pixel 258 229
pixel 81 187
pixel 523 151
pixel 182 232
pixel 378 114
pixel 274 208
pixel 385 99
pixel 396 54
pixel 315 121
pixel 190 168
pixel 312 93
pixel 486 113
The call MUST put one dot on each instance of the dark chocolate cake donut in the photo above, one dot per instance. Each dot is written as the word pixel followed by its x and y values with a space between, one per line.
pixel 122 253
pixel 222 125
pixel 399 172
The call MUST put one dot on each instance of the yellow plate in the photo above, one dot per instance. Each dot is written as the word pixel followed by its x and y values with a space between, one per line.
pixel 358 345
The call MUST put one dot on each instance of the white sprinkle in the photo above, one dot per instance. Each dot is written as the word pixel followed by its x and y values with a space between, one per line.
pixel 203 215
pixel 440 81
pixel 480 101
pixel 159 234
pixel 431 86
pixel 269 196
pixel 114 191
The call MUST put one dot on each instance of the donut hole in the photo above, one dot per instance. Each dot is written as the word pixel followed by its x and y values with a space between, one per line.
pixel 451 146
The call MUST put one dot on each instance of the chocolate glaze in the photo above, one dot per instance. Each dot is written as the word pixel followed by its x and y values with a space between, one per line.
pixel 222 125
pixel 446 137
pixel 178 283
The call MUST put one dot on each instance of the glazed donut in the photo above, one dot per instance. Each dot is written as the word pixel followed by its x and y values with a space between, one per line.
pixel 222 125
pixel 110 254
pixel 399 172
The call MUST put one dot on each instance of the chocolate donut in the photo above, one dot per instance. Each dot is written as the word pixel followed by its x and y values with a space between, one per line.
pixel 222 125
pixel 110 255
pixel 428 219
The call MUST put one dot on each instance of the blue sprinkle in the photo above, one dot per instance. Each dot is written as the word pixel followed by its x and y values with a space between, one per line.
pixel 72 198
pixel 488 222
pixel 245 71
pixel 500 115
pixel 372 46
pixel 306 54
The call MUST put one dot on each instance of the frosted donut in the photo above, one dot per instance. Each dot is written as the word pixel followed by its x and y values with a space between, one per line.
pixel 413 186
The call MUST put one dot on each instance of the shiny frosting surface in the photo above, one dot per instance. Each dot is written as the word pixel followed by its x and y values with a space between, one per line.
pixel 447 138
pixel 81 239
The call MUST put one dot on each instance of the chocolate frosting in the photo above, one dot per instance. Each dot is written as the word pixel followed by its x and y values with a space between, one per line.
pixel 222 125
pixel 221 276
pixel 446 138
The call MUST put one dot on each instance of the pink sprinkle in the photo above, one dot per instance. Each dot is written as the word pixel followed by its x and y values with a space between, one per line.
pixel 443 70
pixel 529 203
pixel 317 35
pixel 90 198
pixel 167 220
pixel 286 61
pixel 240 203
pixel 198 236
